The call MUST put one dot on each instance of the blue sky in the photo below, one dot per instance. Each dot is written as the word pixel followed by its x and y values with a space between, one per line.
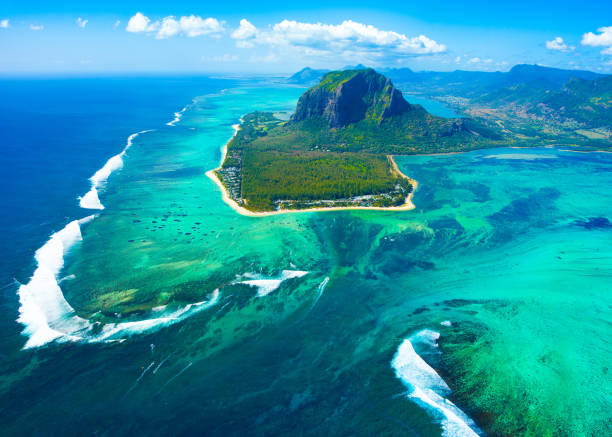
pixel 39 37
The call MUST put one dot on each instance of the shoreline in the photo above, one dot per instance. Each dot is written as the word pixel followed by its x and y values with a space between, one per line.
pixel 407 206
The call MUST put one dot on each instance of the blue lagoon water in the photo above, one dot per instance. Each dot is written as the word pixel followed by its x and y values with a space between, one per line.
pixel 483 311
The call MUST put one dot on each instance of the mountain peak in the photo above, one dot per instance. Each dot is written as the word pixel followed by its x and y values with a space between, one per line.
pixel 349 96
pixel 558 76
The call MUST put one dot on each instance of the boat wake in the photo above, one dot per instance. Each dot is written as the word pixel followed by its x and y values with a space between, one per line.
pixel 91 200
pixel 427 388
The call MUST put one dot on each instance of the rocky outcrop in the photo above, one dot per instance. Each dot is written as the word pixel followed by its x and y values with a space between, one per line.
pixel 346 97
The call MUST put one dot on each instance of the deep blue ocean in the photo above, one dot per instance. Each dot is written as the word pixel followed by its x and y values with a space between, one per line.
pixel 56 132
pixel 483 311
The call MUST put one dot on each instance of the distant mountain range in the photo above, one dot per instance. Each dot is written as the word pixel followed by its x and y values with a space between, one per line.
pixel 555 94
pixel 463 81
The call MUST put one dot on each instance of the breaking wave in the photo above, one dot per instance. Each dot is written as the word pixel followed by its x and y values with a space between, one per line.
pixel 177 117
pixel 266 284
pixel 91 199
pixel 427 388
pixel 44 311
pixel 47 316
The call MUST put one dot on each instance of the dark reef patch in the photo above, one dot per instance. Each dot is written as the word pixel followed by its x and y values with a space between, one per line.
pixel 594 223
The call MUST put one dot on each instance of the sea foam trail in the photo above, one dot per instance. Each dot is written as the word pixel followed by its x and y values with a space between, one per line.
pixel 43 309
pixel 115 331
pixel 91 199
pixel 427 388
pixel 265 284
pixel 177 117
pixel 47 316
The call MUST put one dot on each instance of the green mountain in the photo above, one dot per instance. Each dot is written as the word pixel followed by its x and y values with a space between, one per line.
pixel 345 97
pixel 336 148
pixel 588 102
pixel 361 110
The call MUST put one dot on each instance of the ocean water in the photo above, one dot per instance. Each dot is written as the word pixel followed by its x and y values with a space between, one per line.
pixel 56 132
pixel 486 310
pixel 432 106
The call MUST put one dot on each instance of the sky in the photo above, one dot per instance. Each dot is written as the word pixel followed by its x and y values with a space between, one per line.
pixel 280 37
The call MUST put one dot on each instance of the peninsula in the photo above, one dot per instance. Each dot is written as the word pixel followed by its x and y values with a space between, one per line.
pixel 336 151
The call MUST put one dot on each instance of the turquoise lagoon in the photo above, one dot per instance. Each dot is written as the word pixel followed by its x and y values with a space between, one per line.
pixel 486 310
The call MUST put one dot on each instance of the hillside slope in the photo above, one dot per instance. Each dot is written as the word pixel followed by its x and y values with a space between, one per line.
pixel 335 149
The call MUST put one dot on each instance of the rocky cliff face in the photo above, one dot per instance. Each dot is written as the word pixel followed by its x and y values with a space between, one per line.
pixel 345 97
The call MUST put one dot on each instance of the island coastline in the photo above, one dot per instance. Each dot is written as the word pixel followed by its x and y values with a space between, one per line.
pixel 407 206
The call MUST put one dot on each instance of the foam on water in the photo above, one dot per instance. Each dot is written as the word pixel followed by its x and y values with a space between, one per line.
pixel 177 117
pixel 47 316
pixel 91 199
pixel 44 311
pixel 265 284
pixel 427 388
pixel 114 331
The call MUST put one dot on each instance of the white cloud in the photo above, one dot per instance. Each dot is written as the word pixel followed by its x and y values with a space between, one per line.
pixel 36 27
pixel 117 23
pixel 475 60
pixel 138 23
pixel 81 23
pixel 458 59
pixel 559 45
pixel 245 31
pixel 169 26
pixel 244 34
pixel 603 39
pixel 4 24
pixel 346 39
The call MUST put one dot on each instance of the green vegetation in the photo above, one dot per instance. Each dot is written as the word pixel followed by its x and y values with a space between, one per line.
pixel 333 79
pixel 586 101
pixel 334 150
pixel 307 176
pixel 531 105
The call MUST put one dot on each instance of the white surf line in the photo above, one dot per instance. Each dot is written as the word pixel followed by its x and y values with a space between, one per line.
pixel 114 331
pixel 44 311
pixel 267 284
pixel 139 378
pixel 91 200
pixel 428 389
pixel 178 115
pixel 47 316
